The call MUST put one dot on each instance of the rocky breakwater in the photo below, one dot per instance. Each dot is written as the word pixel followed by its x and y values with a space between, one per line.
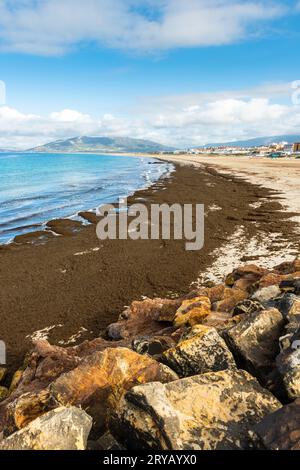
pixel 217 369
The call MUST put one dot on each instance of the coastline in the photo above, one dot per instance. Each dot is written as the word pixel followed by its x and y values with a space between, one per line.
pixel 70 288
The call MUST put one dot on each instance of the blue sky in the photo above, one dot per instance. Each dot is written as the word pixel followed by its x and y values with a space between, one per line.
pixel 182 73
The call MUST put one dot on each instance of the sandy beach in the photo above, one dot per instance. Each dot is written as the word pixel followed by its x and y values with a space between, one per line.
pixel 69 288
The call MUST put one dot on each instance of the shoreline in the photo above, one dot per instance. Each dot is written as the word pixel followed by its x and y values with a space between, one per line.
pixel 70 288
pixel 27 230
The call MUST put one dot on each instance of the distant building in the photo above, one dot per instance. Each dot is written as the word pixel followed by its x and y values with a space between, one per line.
pixel 296 147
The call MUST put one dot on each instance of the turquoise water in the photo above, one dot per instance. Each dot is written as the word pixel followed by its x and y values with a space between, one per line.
pixel 35 188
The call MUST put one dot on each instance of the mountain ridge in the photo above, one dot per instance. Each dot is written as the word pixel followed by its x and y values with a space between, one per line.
pixel 94 144
pixel 257 141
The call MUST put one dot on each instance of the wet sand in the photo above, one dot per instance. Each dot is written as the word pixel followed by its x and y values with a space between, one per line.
pixel 73 286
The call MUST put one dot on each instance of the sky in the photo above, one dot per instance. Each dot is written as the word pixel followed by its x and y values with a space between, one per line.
pixel 179 72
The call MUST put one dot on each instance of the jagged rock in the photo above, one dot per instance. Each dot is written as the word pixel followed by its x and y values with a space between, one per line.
pixel 193 311
pixel 61 429
pixel 247 306
pixel 101 380
pixel 3 372
pixel 230 299
pixel 249 272
pixel 201 350
pixel 97 382
pixel 288 364
pixel 291 285
pixel 255 341
pixel 281 430
pixel 289 267
pixel 141 317
pixel 153 346
pixel 3 393
pixel 212 411
pixel 266 293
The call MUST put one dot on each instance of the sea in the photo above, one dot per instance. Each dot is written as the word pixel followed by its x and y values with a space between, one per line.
pixel 36 188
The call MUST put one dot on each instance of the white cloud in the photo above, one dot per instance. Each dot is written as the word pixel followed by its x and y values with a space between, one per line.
pixel 179 122
pixel 52 27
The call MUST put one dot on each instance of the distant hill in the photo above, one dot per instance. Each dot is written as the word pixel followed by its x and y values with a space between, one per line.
pixel 101 144
pixel 290 139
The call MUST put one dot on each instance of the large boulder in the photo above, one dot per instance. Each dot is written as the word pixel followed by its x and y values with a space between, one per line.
pixel 141 317
pixel 60 429
pixel 96 384
pixel 193 311
pixel 280 430
pixel 201 350
pixel 255 341
pixel 212 411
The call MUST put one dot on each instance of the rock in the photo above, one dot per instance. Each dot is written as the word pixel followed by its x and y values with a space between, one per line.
pixel 201 350
pixel 255 341
pixel 212 411
pixel 167 313
pixel 288 364
pixel 247 306
pixel 289 267
pixel 291 285
pixel 231 298
pixel 214 294
pixel 44 365
pixel 266 293
pixel 281 429
pixel 193 311
pixel 61 429
pixel 219 320
pixel 270 279
pixel 152 346
pixel 15 380
pixel 3 372
pixel 100 381
pixel 141 317
pixel 3 393
pixel 249 272
pixel 106 442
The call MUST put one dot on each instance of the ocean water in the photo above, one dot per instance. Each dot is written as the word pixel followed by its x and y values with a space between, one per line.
pixel 35 188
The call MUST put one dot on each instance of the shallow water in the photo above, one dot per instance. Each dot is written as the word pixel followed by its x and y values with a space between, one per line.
pixel 35 188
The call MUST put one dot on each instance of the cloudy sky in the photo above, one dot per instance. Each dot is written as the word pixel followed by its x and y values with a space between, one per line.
pixel 181 72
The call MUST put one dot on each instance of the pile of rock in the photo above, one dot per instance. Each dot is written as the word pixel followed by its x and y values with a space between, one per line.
pixel 218 369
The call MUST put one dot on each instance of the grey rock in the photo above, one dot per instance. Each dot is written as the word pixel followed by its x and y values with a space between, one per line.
pixel 267 293
pixel 213 411
pixel 288 364
pixel 60 429
pixel 280 430
pixel 255 341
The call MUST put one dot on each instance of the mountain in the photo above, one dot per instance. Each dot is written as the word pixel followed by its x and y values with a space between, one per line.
pixel 290 139
pixel 101 144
